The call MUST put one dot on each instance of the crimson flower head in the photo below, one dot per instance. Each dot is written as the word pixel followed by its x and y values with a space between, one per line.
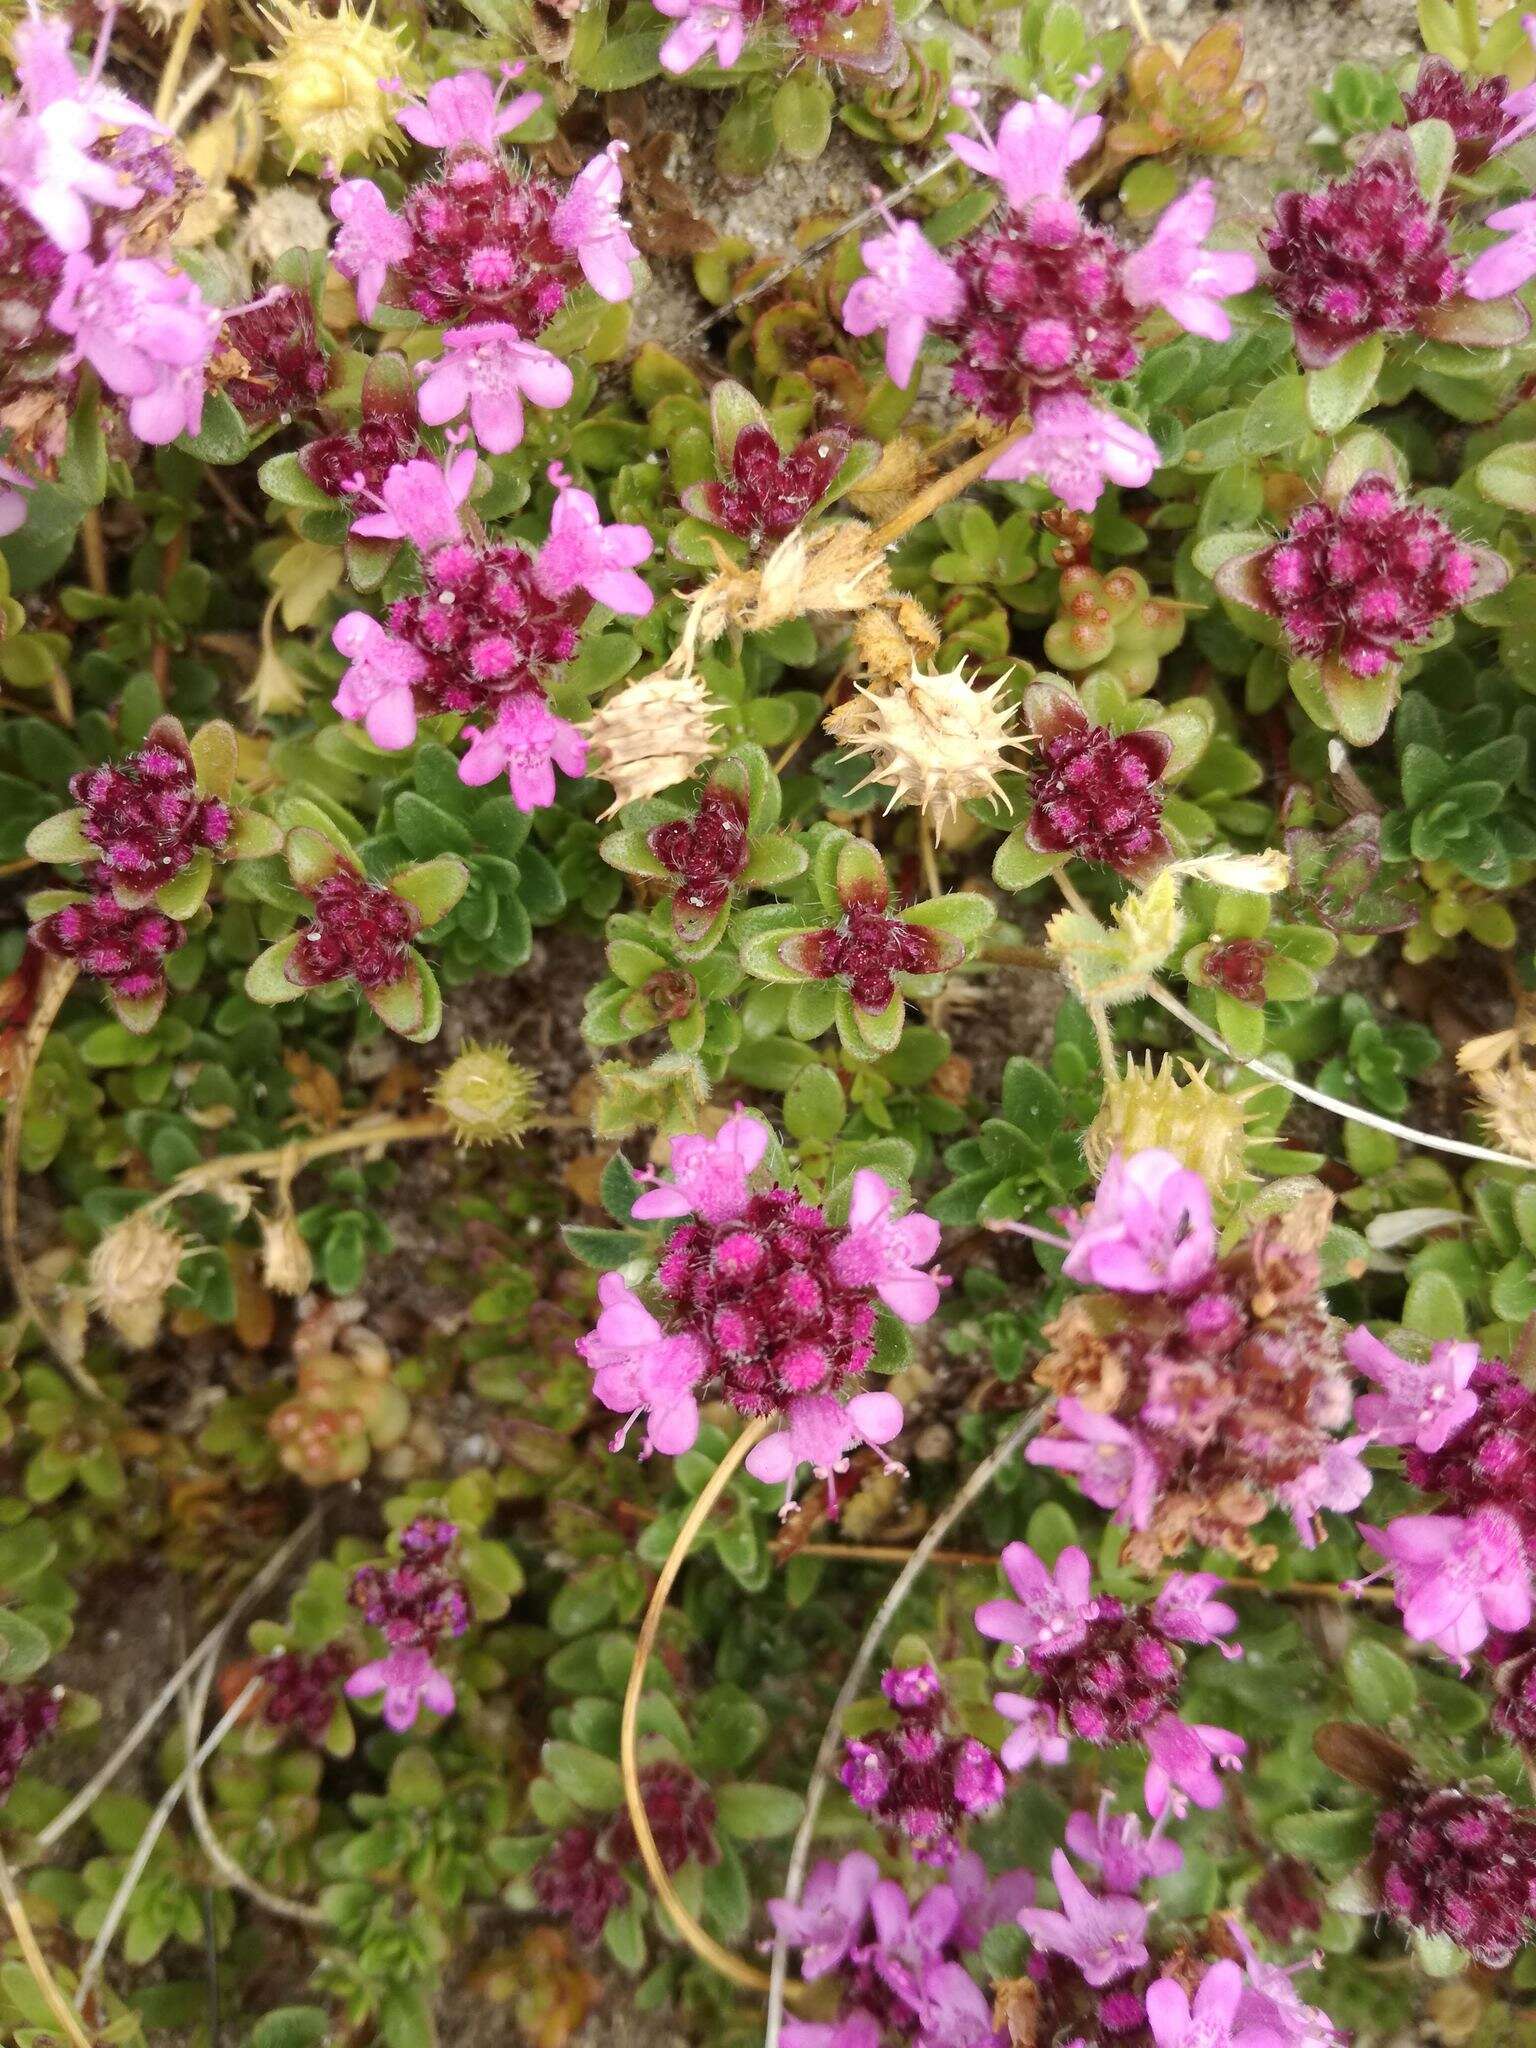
pixel 766 492
pixel 1474 109
pixel 361 932
pixel 274 365
pixel 28 1715
pixel 301 1691
pixel 1098 795
pixel 1460 1865
pixel 125 948
pixel 353 465
pixel 1367 254
pixel 921 1780
pixel 705 852
pixel 580 1877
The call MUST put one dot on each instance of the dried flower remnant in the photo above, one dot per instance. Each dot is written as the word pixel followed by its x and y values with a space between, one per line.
pixel 133 1268
pixel 326 87
pixel 1149 1108
pixel 1200 1390
pixel 764 1302
pixel 920 1780
pixel 652 734
pixel 938 741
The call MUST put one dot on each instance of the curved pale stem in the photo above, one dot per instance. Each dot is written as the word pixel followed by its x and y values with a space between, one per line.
pixel 37 1962
pixel 703 1944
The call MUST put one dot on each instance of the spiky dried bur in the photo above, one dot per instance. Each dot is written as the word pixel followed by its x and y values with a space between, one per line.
pixel 654 733
pixel 132 1270
pixel 1495 1065
pixel 487 1096
pixel 1151 1109
pixel 325 91
pixel 937 740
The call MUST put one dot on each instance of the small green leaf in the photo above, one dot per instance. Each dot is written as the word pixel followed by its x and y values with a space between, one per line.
pixel 265 981
pixel 1380 1683
pixel 757 1813
pixel 433 887
pixel 59 840
pixel 1343 389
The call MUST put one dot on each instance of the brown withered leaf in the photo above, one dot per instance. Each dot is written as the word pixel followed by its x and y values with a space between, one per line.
pixel 1364 1756
pixel 1016 2010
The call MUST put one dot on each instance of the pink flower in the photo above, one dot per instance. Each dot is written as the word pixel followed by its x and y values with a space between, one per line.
pixel 377 688
pixel 885 1252
pixel 702 26
pixel 1173 270
pixel 146 332
pixel 1456 1577
pixel 638 1370
pixel 46 136
pixel 1104 1938
pixel 909 288
pixel 709 1175
pixel 489 369
pixel 583 553
pixel 1035 1738
pixel 1037 142
pixel 1185 1610
pixel 421 500
pixel 831 1914
pixel 526 742
pixel 820 1432
pixel 1049 1612
pixel 1520 105
pixel 464 112
pixel 1270 1999
pixel 1113 1465
pixel 1115 1848
pixel 409 1681
pixel 1338 1479
pixel 370 239
pixel 1185 1758
pixel 13 498
pixel 952 2009
pixel 1422 1405
pixel 1213 2021
pixel 1497 271
pixel 1148 1229
pixel 587 222
pixel 1076 447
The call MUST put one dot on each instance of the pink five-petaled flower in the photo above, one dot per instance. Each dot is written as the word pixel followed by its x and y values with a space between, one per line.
pixel 409 1681
pixel 830 1916
pixel 909 289
pixel 709 1175
pixel 526 742
pixel 1037 142
pixel 587 222
pixel 1176 271
pixel 702 26
pixel 1114 1845
pixel 1077 447
pixel 1035 1738
pixel 146 332
pixel 1185 1610
pixel 421 500
pixel 1104 1938
pixel 1049 1612
pixel 377 687
pixel 1112 1464
pixel 1422 1405
pixel 464 112
pixel 1213 2020
pixel 1185 1758
pixel 1456 1576
pixel 581 553
pixel 885 1251
pixel 47 135
pixel 1148 1229
pixel 1270 1999
pixel 638 1370
pixel 488 369
pixel 369 240
pixel 820 1431
pixel 1504 267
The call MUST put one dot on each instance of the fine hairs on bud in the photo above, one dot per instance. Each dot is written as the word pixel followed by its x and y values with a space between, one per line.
pixel 132 1269
pixel 487 1097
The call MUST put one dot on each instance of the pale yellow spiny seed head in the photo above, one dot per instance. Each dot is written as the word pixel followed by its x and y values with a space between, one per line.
pixel 486 1096
pixel 325 80
pixel 651 735
pixel 1151 1109
pixel 132 1269
pixel 936 739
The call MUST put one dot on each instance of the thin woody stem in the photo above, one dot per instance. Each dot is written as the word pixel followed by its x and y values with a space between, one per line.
pixel 176 59
pixel 703 1945
pixel 944 488
pixel 57 981
pixel 37 1962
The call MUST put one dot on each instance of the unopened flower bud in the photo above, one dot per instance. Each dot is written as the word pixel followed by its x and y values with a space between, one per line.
pixel 486 1096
